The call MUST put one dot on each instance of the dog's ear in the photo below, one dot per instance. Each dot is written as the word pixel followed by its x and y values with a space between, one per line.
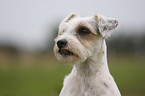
pixel 105 25
pixel 70 16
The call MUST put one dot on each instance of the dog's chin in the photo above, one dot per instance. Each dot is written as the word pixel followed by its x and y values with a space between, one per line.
pixel 67 56
pixel 65 52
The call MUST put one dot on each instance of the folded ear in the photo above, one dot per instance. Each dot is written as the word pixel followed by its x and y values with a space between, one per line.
pixel 105 25
pixel 69 17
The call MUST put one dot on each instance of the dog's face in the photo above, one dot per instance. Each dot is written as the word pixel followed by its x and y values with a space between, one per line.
pixel 79 37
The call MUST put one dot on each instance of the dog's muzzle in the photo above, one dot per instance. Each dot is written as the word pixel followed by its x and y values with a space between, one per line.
pixel 63 48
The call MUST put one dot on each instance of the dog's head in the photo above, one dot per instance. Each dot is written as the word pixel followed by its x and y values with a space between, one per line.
pixel 79 37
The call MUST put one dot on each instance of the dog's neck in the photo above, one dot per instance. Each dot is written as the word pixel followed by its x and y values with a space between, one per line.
pixel 95 64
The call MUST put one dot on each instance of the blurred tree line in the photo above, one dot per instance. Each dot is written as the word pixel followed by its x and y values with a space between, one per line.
pixel 118 43
pixel 127 43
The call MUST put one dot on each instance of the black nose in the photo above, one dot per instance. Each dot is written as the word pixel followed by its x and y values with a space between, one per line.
pixel 61 43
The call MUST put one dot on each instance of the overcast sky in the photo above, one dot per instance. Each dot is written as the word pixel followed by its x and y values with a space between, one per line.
pixel 27 23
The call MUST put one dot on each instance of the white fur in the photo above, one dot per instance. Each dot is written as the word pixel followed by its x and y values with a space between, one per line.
pixel 90 75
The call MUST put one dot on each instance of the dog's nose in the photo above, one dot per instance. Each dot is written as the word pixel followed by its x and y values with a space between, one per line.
pixel 61 43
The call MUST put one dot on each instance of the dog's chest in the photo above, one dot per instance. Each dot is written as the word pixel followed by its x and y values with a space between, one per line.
pixel 84 86
pixel 81 86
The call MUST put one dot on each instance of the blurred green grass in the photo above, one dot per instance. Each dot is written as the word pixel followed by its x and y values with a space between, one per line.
pixel 44 77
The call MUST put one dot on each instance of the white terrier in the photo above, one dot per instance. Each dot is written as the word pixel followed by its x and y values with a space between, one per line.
pixel 81 42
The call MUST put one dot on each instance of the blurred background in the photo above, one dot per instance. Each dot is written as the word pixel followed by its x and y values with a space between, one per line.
pixel 27 30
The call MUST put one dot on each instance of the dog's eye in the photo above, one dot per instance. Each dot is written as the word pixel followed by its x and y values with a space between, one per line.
pixel 83 31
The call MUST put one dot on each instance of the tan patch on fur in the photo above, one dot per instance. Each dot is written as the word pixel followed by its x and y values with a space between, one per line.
pixel 87 40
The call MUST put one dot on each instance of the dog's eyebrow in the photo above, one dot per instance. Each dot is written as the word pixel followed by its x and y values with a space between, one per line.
pixel 86 25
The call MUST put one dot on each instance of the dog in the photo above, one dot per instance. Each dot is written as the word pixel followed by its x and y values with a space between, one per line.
pixel 81 43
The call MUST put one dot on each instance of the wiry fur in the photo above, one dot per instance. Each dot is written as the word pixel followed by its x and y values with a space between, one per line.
pixel 90 75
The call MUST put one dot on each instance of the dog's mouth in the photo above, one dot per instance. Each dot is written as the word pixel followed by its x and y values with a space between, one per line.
pixel 65 52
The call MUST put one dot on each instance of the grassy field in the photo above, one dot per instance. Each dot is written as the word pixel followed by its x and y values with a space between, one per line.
pixel 44 76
